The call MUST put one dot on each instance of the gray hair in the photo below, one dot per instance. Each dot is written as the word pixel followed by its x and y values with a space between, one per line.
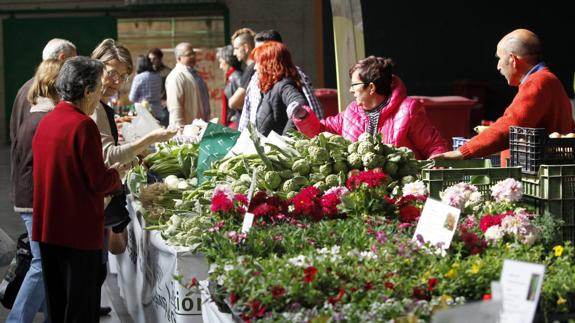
pixel 76 75
pixel 181 48
pixel 227 55
pixel 56 46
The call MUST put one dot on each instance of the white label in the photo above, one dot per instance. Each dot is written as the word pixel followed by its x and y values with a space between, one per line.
pixel 437 223
pixel 520 287
pixel 248 221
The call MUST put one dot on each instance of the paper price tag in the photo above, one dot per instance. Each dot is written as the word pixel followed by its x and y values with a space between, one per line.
pixel 437 223
pixel 248 222
pixel 520 286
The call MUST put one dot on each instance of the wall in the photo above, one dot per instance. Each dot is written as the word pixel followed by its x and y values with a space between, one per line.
pixel 295 20
pixel 435 45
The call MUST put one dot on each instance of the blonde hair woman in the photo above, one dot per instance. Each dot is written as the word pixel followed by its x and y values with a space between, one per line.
pixel 43 97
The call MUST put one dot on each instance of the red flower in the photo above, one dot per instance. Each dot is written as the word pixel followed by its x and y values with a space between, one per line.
pixel 233 298
pixel 389 285
pixel 241 198
pixel 193 283
pixel 278 291
pixel 221 203
pixel 369 177
pixel 368 286
pixel 333 300
pixel 258 310
pixel 472 242
pixel 309 274
pixel 487 297
pixel 329 204
pixel 431 282
pixel 307 202
pixel 409 214
pixel 420 293
pixel 489 220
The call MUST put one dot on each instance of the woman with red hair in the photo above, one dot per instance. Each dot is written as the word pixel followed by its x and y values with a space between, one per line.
pixel 280 87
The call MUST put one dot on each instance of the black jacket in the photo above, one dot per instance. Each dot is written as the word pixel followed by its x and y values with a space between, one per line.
pixel 271 113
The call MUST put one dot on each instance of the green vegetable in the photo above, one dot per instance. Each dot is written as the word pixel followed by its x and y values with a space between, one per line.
pixel 332 180
pixel 301 167
pixel 355 160
pixel 318 155
pixel 273 179
pixel 364 147
pixel 352 148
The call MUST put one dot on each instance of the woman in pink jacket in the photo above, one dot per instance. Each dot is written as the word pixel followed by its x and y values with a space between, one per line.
pixel 380 105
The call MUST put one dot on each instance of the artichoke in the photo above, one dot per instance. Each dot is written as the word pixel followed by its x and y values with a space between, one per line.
pixel 273 179
pixel 354 160
pixel 332 180
pixel 301 167
pixel 364 147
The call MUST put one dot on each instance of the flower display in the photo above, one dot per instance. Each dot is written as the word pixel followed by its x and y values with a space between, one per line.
pixel 462 196
pixel 508 190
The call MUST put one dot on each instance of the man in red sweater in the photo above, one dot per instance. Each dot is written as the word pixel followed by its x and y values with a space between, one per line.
pixel 541 101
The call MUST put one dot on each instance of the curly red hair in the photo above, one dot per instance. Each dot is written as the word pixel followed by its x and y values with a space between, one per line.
pixel 274 63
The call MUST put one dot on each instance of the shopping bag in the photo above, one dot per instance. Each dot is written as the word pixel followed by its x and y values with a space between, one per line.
pixel 141 125
pixel 215 144
pixel 16 272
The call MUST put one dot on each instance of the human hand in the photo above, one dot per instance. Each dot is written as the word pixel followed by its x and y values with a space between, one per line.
pixel 455 154
pixel 161 135
pixel 296 110
pixel 122 169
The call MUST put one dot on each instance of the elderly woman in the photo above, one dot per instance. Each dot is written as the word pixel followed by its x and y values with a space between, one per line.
pixel 70 182
pixel 280 87
pixel 42 97
pixel 232 69
pixel 380 106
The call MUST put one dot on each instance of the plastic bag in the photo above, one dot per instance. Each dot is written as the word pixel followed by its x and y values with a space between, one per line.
pixel 141 125
pixel 16 272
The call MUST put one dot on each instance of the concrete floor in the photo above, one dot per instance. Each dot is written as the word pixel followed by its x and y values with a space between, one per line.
pixel 12 226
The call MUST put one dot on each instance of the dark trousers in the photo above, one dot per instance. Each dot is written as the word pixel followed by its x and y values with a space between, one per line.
pixel 72 283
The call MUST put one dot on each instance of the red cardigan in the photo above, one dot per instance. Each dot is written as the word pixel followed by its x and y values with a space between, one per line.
pixel 541 102
pixel 70 180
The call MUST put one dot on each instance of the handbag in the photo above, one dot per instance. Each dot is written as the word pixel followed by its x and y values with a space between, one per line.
pixel 116 214
pixel 16 272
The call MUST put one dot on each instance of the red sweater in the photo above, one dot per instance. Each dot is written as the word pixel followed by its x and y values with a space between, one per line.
pixel 70 180
pixel 541 102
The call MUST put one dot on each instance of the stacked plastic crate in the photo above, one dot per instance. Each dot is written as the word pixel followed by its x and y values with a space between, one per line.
pixel 548 173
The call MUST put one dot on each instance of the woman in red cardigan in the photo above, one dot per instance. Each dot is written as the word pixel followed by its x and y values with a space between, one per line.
pixel 70 181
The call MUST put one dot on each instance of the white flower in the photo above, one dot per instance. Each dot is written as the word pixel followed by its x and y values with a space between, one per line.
pixel 416 188
pixel 508 190
pixel 511 224
pixel 228 267
pixel 298 261
pixel 494 233
pixel 367 255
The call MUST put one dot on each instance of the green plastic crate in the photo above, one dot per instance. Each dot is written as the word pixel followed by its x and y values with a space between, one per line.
pixel 564 209
pixel 464 163
pixel 437 180
pixel 553 182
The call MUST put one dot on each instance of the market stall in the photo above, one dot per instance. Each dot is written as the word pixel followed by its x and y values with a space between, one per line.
pixel 297 229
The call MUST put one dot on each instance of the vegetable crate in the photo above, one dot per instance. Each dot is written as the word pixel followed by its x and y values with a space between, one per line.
pixel 476 172
pixel 564 208
pixel 552 191
pixel 531 147
pixel 459 141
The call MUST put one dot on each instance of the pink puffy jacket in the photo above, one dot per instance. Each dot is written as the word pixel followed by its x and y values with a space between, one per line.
pixel 402 123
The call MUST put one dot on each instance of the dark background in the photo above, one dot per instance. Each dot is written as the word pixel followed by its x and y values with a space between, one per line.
pixel 436 45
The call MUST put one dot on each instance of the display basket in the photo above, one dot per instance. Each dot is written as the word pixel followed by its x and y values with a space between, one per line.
pixel 532 147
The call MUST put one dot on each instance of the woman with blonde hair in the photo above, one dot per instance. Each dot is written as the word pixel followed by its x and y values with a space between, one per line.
pixel 117 69
pixel 43 97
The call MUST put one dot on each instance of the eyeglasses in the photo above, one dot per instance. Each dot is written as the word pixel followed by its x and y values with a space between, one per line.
pixel 354 84
pixel 113 74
